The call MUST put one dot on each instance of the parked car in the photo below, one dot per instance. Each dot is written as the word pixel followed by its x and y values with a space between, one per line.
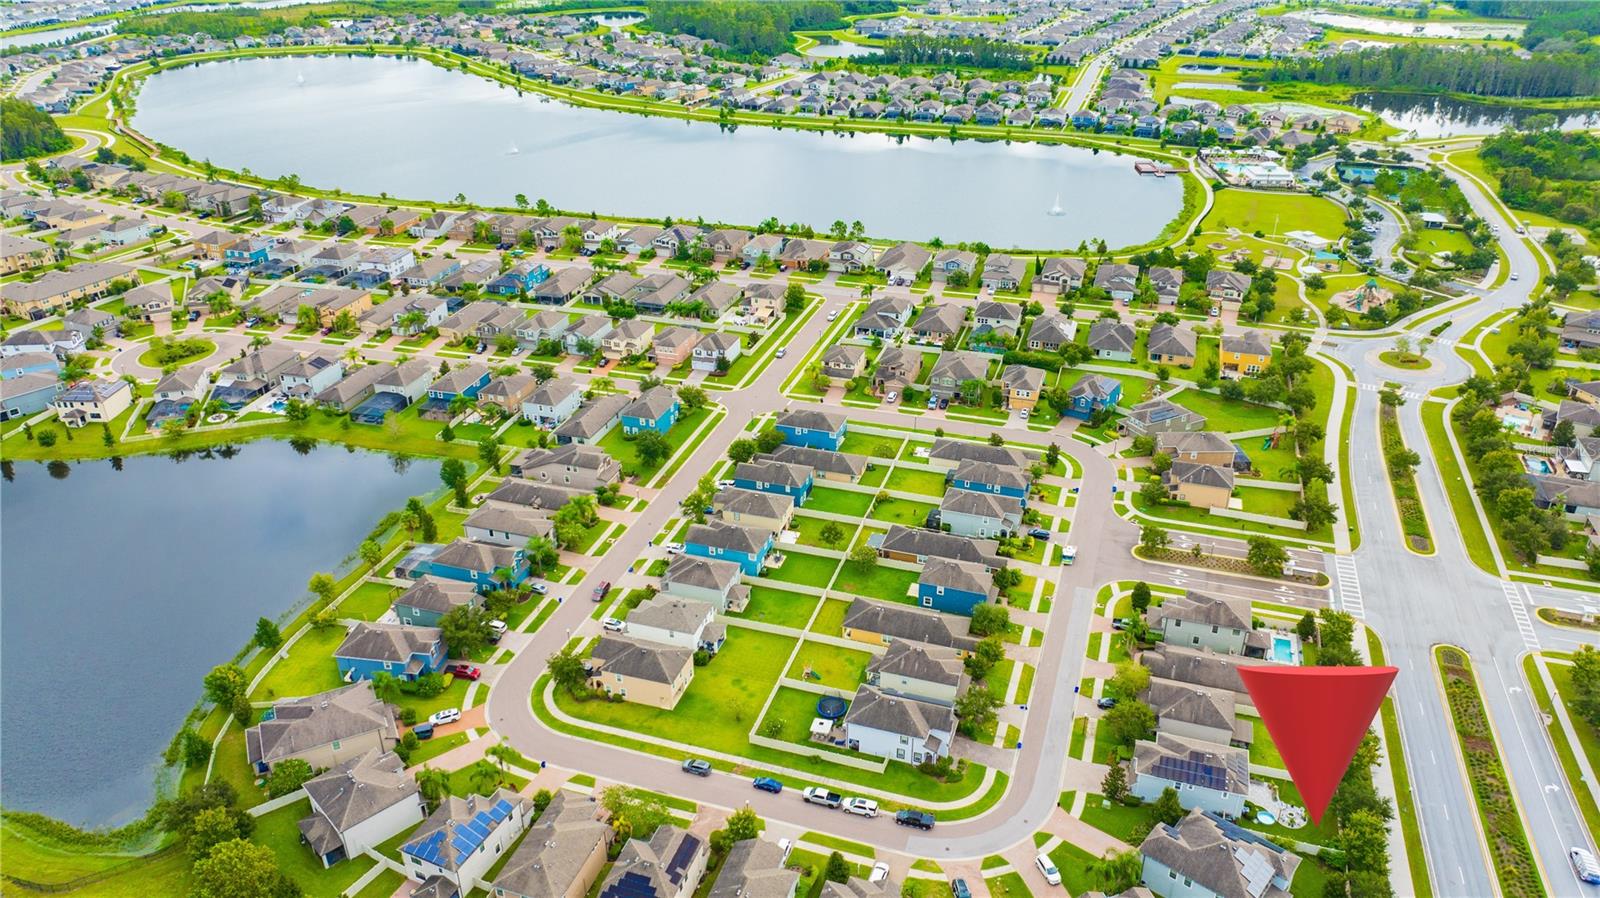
pixel 861 807
pixel 497 629
pixel 944 403
pixel 464 671
pixel 1105 704
pixel 1039 533
pixel 724 484
pixel 833 315
pixel 613 624
pixel 423 731
pixel 1048 868
pixel 819 795
pixel 891 397
pixel 880 872
pixel 767 784
pixel 919 819
pixel 933 402
pixel 601 590
pixel 540 588
pixel 958 889
pixel 674 548
pixel 697 767
pixel 448 715
pixel 1121 623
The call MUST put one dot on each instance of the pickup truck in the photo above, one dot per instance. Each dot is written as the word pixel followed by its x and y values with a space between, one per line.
pixel 819 795
pixel 919 819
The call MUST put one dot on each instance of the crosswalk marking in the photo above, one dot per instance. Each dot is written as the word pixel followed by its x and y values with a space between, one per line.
pixel 1349 595
pixel 1378 388
pixel 1519 613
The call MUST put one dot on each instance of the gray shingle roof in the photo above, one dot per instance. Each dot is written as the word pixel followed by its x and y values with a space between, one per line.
pixel 640 659
pixel 387 642
pixel 552 855
pixel 360 788
pixel 898 714
pixel 1200 848
pixel 305 723
pixel 905 622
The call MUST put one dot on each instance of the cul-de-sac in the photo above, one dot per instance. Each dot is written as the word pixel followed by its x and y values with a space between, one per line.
pixel 796 448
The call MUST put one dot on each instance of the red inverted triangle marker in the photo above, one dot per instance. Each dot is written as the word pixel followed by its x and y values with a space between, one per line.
pixel 1317 716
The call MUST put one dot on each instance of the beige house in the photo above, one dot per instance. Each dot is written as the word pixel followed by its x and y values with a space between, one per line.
pixel 633 337
pixel 645 673
pixel 561 856
pixel 55 290
pixel 753 508
pixel 1204 447
pixel 20 253
pixel 1203 486
pixel 323 730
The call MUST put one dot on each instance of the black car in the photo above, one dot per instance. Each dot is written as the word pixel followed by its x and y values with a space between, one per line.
pixel 697 767
pixel 1105 704
pixel 1121 623
pixel 919 819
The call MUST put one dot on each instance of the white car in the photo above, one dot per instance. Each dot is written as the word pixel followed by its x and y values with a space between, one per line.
pixel 674 548
pixel 1513 275
pixel 880 872
pixel 861 807
pixel 1048 868
pixel 782 350
pixel 724 484
pixel 448 715
pixel 540 588
pixel 833 315
pixel 612 624
pixel 892 397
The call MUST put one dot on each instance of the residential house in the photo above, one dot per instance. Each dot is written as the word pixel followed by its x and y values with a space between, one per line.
pixel 755 868
pixel 92 402
pixel 1246 352
pixel 1167 284
pixel 37 344
pixel 851 256
pixel 1093 393
pixel 482 564
pixel 147 301
pixel 1195 712
pixel 1171 344
pixel 405 315
pixel 1205 775
pixel 562 854
pixel 939 323
pixel 884 317
pixel 308 377
pixel 903 263
pixel 508 392
pixel 543 327
pixel 898 728
pixel 898 368
pixel 657 409
pixel 1202 486
pixel 1159 416
pixel 1205 447
pixel 359 804
pixel 1202 855
pixel 27 395
pixel 1112 339
pixel 241 381
pixel 954 587
pixel 718 351
pixel 1227 286
pixel 884 623
pixel 843 362
pixel 673 346
pixel 431 598
pixel 837 466
pixel 324 730
pixel 669 865
pixel 520 279
pixel 1196 620
pixel 953 371
pixel 1051 331
pixel 706 580
pixel 452 851
pixel 751 508
pixel 396 649
pixel 576 465
pixel 561 287
pixel 630 338
pixel 467 381
pixel 20 253
pixel 960 262
pixel 916 546
pixel 89 322
pixel 1060 274
pixel 593 421
pixel 676 621
pixel 996 323
pixel 928 673
pixel 812 428
pixel 53 291
pixel 1022 386
pixel 506 525
pixel 639 671
pixel 982 515
pixel 553 402
pixel 793 482
pixel 1003 272
pixel 588 334
pixel 745 546
pixel 1119 280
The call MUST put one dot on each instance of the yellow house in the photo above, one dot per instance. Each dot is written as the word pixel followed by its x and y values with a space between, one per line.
pixel 213 244
pixel 55 290
pixel 19 253
pixel 752 508
pixel 881 623
pixel 630 338
pixel 1203 486
pixel 1244 353
pixel 1022 385
pixel 646 673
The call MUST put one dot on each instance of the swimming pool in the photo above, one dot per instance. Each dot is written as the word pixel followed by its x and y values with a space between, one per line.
pixel 1537 465
pixel 1283 649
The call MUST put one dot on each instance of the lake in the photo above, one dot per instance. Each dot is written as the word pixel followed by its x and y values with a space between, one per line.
pixel 415 130
pixel 1431 115
pixel 120 589
pixel 1468 30
pixel 840 50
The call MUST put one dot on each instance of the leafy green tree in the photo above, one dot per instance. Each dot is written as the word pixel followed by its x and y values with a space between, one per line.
pixel 371 552
pixel 985 655
pixel 386 687
pixel 567 670
pixel 988 619
pixel 743 824
pixel 837 869
pixel 240 869
pixel 831 533
pixel 465 629
pixel 1266 557
pixel 1114 785
pixel 862 558
pixel 267 635
pixel 976 708
pixel 287 776
pixel 489 453
pixel 652 447
pixel 1140 597
pixel 1585 700
pixel 1129 721
pixel 434 784
pixel 323 586
pixel 225 683
pixel 215 825
pixel 634 813
pixel 1167 808
pixel 1130 679
pixel 742 451
pixel 1152 538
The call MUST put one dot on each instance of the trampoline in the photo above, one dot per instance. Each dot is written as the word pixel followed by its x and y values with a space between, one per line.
pixel 832 707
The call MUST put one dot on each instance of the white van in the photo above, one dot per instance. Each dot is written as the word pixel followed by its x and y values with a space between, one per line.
pixel 1048 868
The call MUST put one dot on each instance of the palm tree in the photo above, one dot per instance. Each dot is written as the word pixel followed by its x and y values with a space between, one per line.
pixel 540 552
pixel 434 784
pixel 412 321
pixel 502 754
pixel 459 403
pixel 219 303
pixel 484 776
pixel 386 686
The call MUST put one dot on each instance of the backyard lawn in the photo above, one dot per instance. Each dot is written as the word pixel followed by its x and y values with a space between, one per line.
pixel 810 530
pixel 804 568
pixel 720 705
pixel 1227 415
pixel 368 602
pixel 792 710
pixel 836 667
pixel 836 501
pixel 830 620
pixel 309 669
pixel 902 511
pixel 880 582
pixel 1262 749
pixel 779 607
pixel 928 483
pixel 871 444
pixel 280 831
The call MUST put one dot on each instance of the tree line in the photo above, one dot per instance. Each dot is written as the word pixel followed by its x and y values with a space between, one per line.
pixel 748 28
pixel 1548 171
pixel 1545 19
pixel 28 132
pixel 1488 73
pixel 979 52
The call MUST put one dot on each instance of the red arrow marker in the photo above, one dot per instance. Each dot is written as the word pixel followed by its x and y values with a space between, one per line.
pixel 1317 716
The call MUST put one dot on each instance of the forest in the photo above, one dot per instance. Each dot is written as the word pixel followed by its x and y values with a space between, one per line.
pixel 27 132
pixel 980 52
pixel 231 23
pixel 1483 73
pixel 1548 171
pixel 751 28
pixel 1545 19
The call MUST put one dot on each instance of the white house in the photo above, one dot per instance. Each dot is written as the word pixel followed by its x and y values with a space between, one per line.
pixel 359 804
pixel 553 402
pixel 461 840
pixel 898 728
pixel 686 623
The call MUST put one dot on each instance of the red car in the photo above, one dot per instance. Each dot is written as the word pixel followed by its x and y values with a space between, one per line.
pixel 464 671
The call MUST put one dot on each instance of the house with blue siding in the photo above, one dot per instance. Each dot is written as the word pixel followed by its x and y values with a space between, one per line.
pixel 29 363
pixel 954 587
pixel 431 598
pixel 812 428
pixel 28 395
pixel 478 564
pixel 520 278
pixel 1092 393
pixel 252 251
pixel 781 478
pixel 395 649
pixel 656 409
pixel 988 477
pixel 744 546
pixel 466 380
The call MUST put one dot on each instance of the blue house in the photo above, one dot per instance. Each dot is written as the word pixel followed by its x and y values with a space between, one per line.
pixel 814 429
pixel 29 363
pixel 1092 393
pixel 466 381
pixel 988 477
pixel 477 563
pixel 1085 118
pixel 395 649
pixel 520 278
pixel 745 546
pixel 656 409
pixel 248 252
pixel 776 477
pixel 954 587
pixel 425 603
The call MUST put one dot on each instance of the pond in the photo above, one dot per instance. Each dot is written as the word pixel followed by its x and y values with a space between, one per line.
pixel 120 589
pixel 54 35
pixel 840 50
pixel 616 20
pixel 1212 85
pixel 1469 30
pixel 412 129
pixel 1431 115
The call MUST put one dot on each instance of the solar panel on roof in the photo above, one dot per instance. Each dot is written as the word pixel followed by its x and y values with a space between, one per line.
pixel 631 885
pixel 682 858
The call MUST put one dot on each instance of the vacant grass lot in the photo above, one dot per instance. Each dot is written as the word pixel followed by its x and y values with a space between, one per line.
pixel 928 483
pixel 1274 213
pixel 902 511
pixel 871 444
pixel 804 568
pixel 810 530
pixel 1227 415
pixel 307 670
